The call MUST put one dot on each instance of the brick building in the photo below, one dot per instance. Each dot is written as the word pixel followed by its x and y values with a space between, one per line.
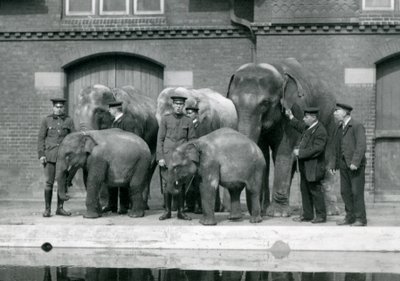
pixel 55 47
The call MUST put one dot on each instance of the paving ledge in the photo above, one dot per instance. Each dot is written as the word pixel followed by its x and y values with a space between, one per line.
pixel 220 237
pixel 225 260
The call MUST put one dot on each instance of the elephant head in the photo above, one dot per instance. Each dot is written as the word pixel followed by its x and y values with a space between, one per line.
pixel 256 91
pixel 184 164
pixel 72 155
pixel 92 109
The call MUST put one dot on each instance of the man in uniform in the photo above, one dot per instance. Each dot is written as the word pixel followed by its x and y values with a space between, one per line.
pixel 192 196
pixel 350 159
pixel 123 121
pixel 175 129
pixel 311 156
pixel 52 131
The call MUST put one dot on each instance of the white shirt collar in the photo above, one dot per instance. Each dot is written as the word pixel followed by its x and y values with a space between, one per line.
pixel 345 122
pixel 119 115
pixel 313 125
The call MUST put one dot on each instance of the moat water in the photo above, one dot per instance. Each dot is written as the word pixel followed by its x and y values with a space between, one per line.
pixel 64 273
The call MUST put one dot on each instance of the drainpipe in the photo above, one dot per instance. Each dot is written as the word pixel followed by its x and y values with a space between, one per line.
pixel 247 24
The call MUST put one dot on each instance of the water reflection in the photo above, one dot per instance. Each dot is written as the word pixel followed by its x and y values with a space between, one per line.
pixel 145 274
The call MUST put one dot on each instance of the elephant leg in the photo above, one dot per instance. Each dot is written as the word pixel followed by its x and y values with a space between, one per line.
pixel 207 194
pixel 146 191
pixel 264 193
pixel 283 173
pixel 236 212
pixel 136 196
pixel 254 198
pixel 329 195
pixel 96 176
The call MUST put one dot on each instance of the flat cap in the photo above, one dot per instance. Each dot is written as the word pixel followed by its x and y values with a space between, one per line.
pixel 58 100
pixel 344 106
pixel 192 104
pixel 115 104
pixel 311 110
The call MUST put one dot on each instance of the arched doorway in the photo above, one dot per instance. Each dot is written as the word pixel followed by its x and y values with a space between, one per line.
pixel 387 141
pixel 113 70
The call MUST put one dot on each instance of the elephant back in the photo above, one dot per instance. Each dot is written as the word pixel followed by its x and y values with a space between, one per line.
pixel 215 111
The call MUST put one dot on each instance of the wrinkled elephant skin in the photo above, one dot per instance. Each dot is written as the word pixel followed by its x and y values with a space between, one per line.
pixel 223 157
pixel 112 157
pixel 260 93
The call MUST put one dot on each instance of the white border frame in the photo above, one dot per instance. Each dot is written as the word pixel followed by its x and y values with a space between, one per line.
pixel 123 13
pixel 391 8
pixel 159 12
pixel 68 13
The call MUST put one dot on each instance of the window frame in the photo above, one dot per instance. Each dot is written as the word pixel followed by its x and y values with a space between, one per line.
pixel 69 13
pixel 365 8
pixel 136 12
pixel 115 13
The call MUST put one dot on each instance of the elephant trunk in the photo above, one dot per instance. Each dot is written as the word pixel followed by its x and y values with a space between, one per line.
pixel 249 126
pixel 62 178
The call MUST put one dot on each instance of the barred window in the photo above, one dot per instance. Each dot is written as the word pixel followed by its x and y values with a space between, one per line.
pixel 113 7
pixel 378 5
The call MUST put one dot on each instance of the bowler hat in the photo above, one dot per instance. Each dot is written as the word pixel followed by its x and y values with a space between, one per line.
pixel 58 100
pixel 115 104
pixel 344 106
pixel 311 110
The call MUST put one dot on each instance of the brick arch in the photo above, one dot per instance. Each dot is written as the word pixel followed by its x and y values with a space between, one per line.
pixel 72 57
pixel 384 51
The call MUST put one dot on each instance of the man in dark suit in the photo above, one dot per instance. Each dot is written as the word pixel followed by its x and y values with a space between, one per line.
pixel 123 121
pixel 175 129
pixel 350 160
pixel 311 157
pixel 52 131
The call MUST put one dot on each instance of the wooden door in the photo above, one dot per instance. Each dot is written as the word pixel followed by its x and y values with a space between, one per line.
pixel 114 71
pixel 387 142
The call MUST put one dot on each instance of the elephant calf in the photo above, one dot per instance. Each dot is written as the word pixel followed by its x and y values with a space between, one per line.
pixel 224 157
pixel 112 156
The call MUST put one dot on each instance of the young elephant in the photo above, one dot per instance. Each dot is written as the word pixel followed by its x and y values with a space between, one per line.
pixel 224 157
pixel 112 156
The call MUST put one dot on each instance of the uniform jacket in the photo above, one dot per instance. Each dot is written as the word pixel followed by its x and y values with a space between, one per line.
pixel 311 150
pixel 352 145
pixel 52 131
pixel 126 123
pixel 174 130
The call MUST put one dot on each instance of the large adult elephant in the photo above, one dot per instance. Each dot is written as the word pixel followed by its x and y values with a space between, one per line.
pixel 260 93
pixel 91 113
pixel 113 157
pixel 215 111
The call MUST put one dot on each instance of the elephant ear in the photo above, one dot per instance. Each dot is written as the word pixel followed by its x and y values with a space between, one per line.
pixel 193 153
pixel 88 143
pixel 296 87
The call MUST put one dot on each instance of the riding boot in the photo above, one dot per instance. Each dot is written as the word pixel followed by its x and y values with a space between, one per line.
pixel 180 202
pixel 60 210
pixel 48 193
pixel 167 202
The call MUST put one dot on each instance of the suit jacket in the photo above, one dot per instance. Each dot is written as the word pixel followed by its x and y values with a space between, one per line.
pixel 52 131
pixel 174 130
pixel 126 123
pixel 352 144
pixel 311 150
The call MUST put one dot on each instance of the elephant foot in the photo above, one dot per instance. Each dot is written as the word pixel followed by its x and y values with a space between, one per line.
pixel 47 213
pixel 166 215
pixel 235 217
pixel 146 206
pixel 256 219
pixel 62 212
pixel 136 214
pixel 91 215
pixel 332 211
pixel 208 221
pixel 277 210
pixel 183 216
